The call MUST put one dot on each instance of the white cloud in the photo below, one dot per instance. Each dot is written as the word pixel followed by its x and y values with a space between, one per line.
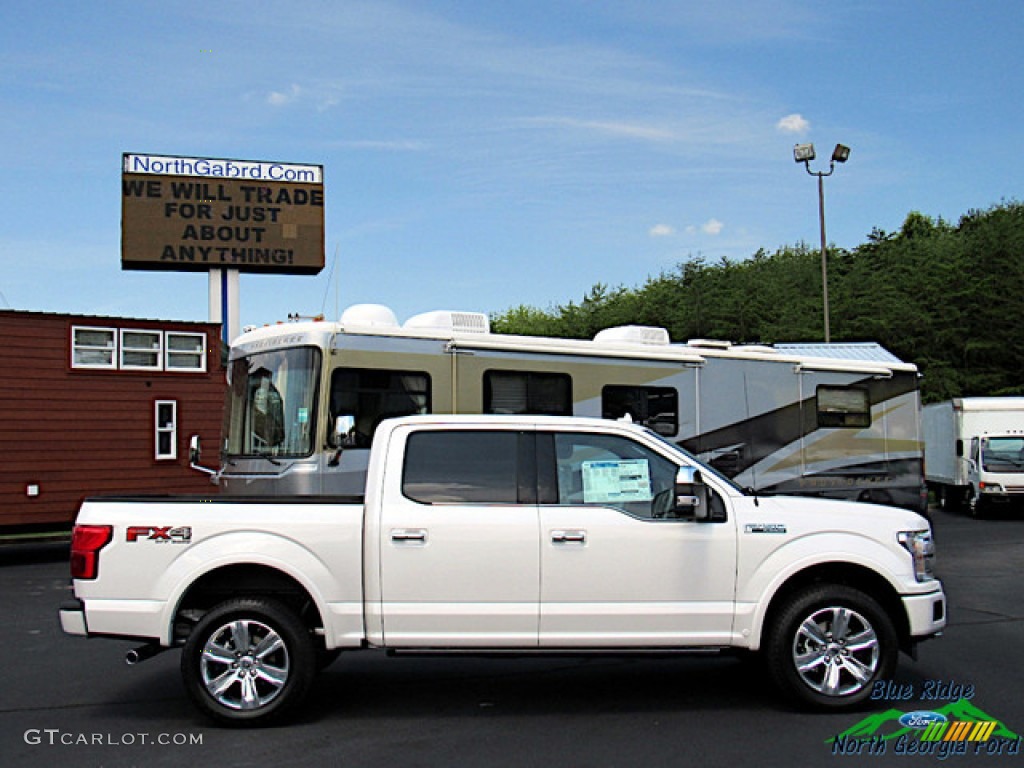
pixel 326 103
pixel 794 123
pixel 661 230
pixel 396 145
pixel 621 129
pixel 712 227
pixel 322 96
pixel 279 99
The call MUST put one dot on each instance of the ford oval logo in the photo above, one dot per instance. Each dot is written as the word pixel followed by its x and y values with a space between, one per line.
pixel 921 719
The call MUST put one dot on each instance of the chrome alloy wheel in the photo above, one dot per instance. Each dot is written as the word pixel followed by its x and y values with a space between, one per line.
pixel 244 664
pixel 836 651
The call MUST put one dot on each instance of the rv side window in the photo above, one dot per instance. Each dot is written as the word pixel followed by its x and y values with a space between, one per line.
pixel 548 394
pixel 373 395
pixel 843 407
pixel 461 467
pixel 654 407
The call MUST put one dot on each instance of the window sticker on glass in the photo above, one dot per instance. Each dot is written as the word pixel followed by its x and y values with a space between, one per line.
pixel 619 480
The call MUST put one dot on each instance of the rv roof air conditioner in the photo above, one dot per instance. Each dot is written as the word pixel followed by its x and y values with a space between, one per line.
pixel 633 334
pixel 709 343
pixel 446 320
pixel 369 316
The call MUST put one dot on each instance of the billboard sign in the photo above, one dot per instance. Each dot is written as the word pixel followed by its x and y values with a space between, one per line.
pixel 196 214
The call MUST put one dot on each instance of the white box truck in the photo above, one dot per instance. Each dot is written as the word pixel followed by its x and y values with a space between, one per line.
pixel 974 451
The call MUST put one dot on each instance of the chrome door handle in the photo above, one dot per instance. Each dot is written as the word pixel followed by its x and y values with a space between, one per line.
pixel 569 537
pixel 409 535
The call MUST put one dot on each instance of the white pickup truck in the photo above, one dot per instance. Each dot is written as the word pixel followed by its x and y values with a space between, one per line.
pixel 513 533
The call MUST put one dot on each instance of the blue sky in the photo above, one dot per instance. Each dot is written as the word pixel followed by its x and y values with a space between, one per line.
pixel 480 155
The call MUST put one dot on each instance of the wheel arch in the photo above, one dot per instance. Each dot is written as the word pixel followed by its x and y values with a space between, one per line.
pixel 236 580
pixel 858 577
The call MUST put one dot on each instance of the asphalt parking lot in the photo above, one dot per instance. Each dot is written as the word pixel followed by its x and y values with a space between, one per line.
pixel 74 702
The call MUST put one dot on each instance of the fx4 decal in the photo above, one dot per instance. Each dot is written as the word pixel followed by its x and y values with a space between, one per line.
pixel 160 534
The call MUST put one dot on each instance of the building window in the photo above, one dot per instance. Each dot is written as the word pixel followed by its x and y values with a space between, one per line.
pixel 843 407
pixel 185 352
pixel 93 347
pixel 547 394
pixel 166 429
pixel 138 350
pixel 654 407
pixel 141 350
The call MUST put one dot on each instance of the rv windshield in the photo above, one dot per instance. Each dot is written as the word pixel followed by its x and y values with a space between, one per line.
pixel 1002 454
pixel 271 403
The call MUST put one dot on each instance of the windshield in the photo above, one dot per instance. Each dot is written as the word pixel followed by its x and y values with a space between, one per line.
pixel 706 468
pixel 1002 454
pixel 271 403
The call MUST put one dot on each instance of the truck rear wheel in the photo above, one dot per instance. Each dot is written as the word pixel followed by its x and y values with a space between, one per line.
pixel 829 644
pixel 949 498
pixel 248 661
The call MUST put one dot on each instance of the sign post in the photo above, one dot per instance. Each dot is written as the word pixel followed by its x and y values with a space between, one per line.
pixel 224 303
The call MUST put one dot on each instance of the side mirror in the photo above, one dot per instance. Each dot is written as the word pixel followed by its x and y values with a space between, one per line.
pixel 345 431
pixel 344 437
pixel 691 494
pixel 195 455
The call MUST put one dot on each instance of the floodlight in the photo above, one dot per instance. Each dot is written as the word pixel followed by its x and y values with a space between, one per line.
pixel 803 153
pixel 840 154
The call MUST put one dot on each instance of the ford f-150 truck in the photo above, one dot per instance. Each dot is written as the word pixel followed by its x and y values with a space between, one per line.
pixel 512 533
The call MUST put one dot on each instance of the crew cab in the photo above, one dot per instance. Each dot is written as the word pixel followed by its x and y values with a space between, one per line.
pixel 528 534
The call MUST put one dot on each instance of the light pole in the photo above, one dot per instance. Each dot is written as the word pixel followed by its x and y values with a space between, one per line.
pixel 804 153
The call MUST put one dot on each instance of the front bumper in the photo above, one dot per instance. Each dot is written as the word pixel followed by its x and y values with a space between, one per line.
pixel 72 617
pixel 926 614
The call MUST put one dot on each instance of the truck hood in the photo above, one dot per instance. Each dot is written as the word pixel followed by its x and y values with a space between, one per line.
pixel 800 513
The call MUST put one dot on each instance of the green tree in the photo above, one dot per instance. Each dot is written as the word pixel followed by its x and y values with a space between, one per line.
pixel 948 298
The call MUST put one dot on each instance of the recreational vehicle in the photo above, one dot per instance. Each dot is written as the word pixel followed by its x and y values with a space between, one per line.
pixel 774 421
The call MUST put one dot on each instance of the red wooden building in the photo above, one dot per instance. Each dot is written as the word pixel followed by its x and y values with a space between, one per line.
pixel 99 405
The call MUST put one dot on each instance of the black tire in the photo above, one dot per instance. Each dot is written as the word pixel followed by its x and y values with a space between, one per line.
pixel 976 506
pixel 248 662
pixel 828 645
pixel 949 498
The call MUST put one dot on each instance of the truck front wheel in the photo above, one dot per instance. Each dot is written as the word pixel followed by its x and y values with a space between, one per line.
pixel 975 504
pixel 829 644
pixel 248 661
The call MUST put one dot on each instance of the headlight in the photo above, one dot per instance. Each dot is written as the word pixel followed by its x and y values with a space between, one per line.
pixel 921 547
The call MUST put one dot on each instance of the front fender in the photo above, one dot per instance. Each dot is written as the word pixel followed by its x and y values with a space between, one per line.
pixel 757 588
